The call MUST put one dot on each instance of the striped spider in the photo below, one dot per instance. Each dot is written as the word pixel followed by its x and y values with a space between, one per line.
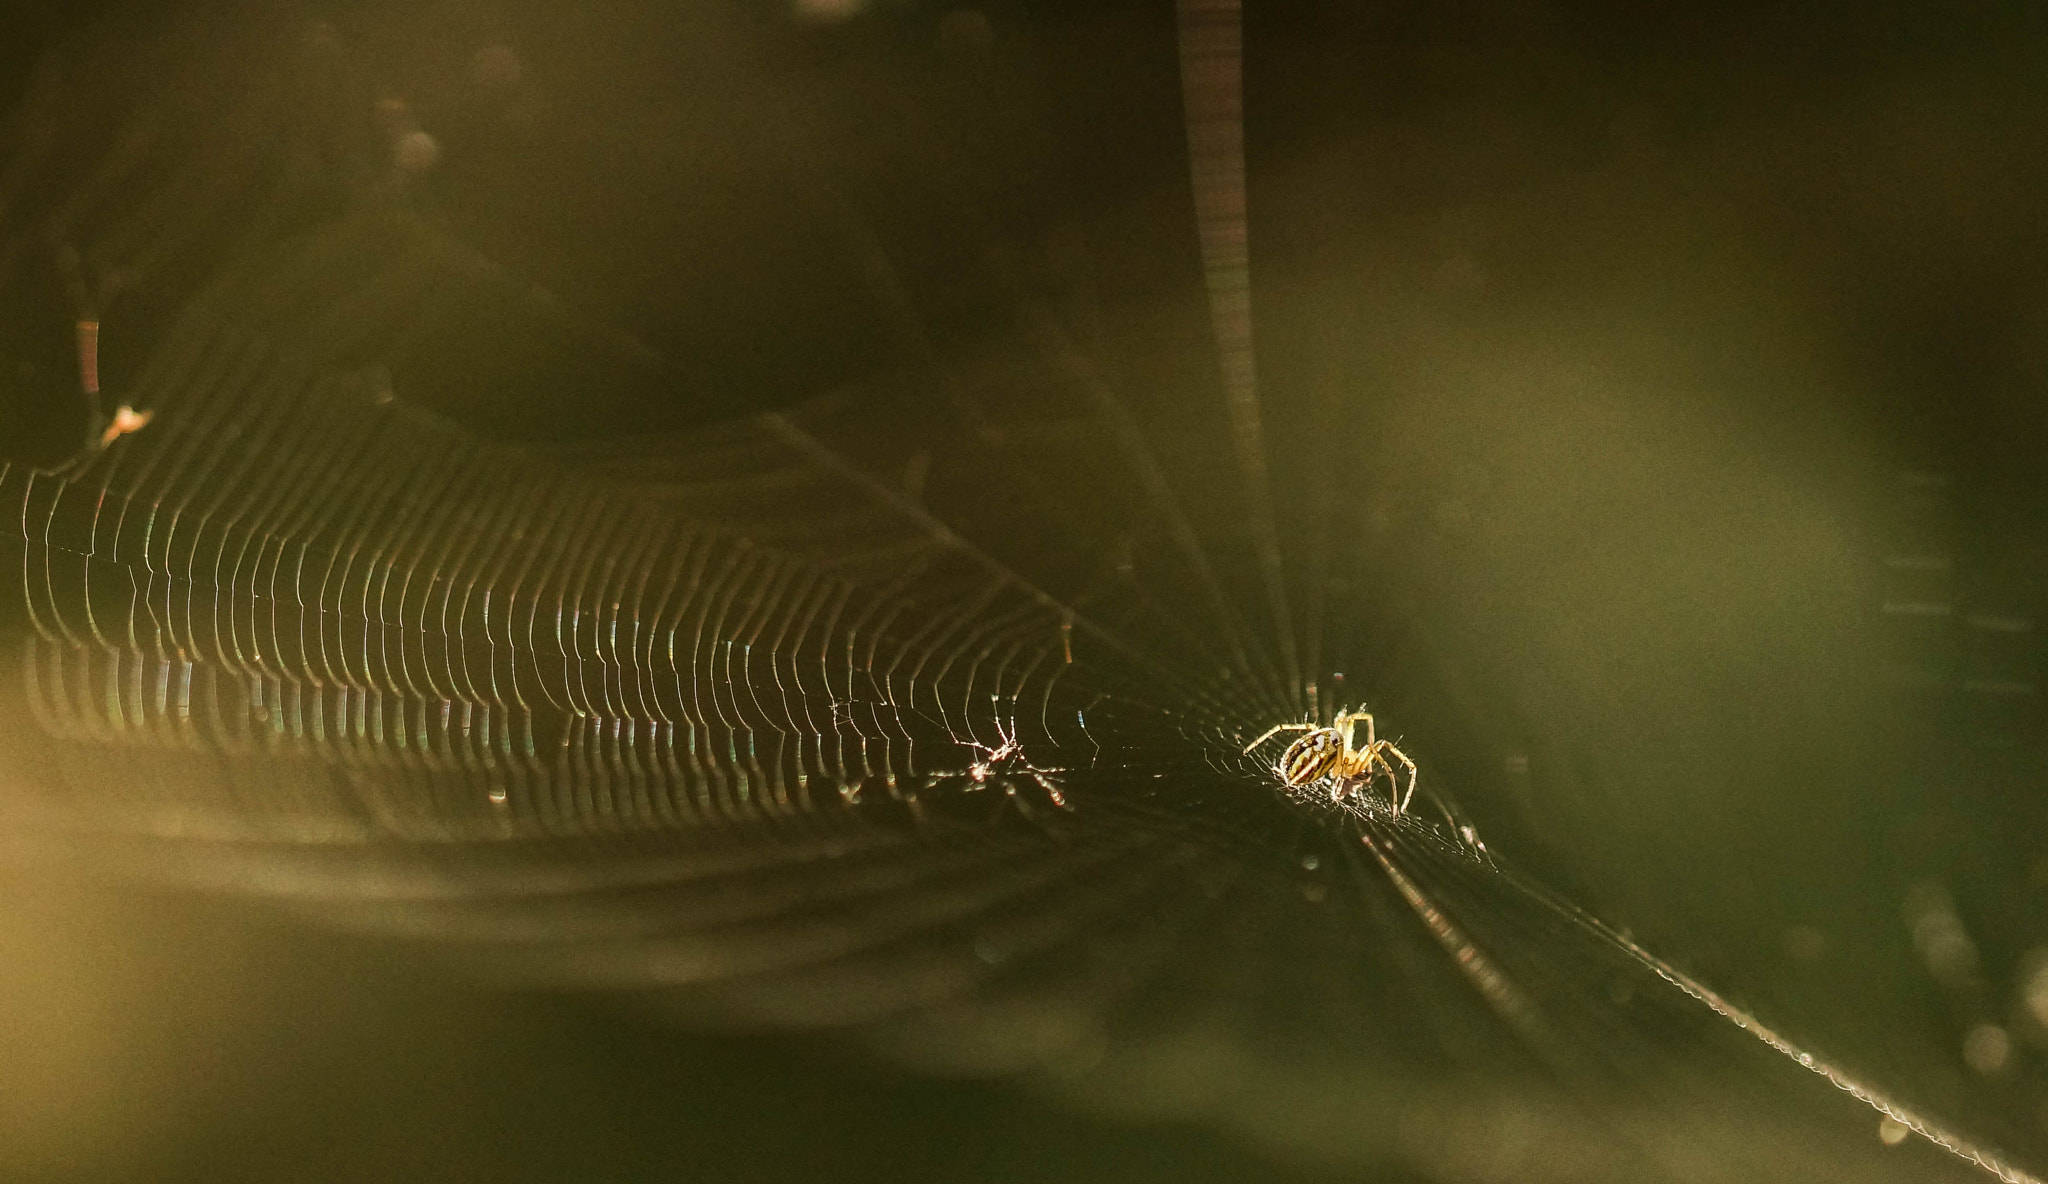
pixel 1329 754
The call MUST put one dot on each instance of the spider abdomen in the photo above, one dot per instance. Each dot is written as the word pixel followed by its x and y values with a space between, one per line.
pixel 1313 757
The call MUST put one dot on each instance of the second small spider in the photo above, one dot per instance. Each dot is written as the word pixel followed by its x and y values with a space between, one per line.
pixel 1003 767
pixel 1331 754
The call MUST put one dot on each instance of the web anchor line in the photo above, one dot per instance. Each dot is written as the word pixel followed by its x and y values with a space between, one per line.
pixel 1517 1010
pixel 1927 1128
pixel 1212 93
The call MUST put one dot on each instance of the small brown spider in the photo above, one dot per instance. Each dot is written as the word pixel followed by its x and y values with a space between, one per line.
pixel 1328 754
pixel 1004 767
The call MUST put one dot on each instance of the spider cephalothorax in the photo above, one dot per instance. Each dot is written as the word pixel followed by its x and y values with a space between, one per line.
pixel 1328 754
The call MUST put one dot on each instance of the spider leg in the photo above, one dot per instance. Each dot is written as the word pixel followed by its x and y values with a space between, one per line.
pixel 1052 789
pixel 1348 723
pixel 1403 796
pixel 1275 730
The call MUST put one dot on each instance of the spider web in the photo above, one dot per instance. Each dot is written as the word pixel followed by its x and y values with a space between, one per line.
pixel 917 710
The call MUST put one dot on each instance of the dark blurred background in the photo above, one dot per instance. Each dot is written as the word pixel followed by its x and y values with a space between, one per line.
pixel 1697 361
